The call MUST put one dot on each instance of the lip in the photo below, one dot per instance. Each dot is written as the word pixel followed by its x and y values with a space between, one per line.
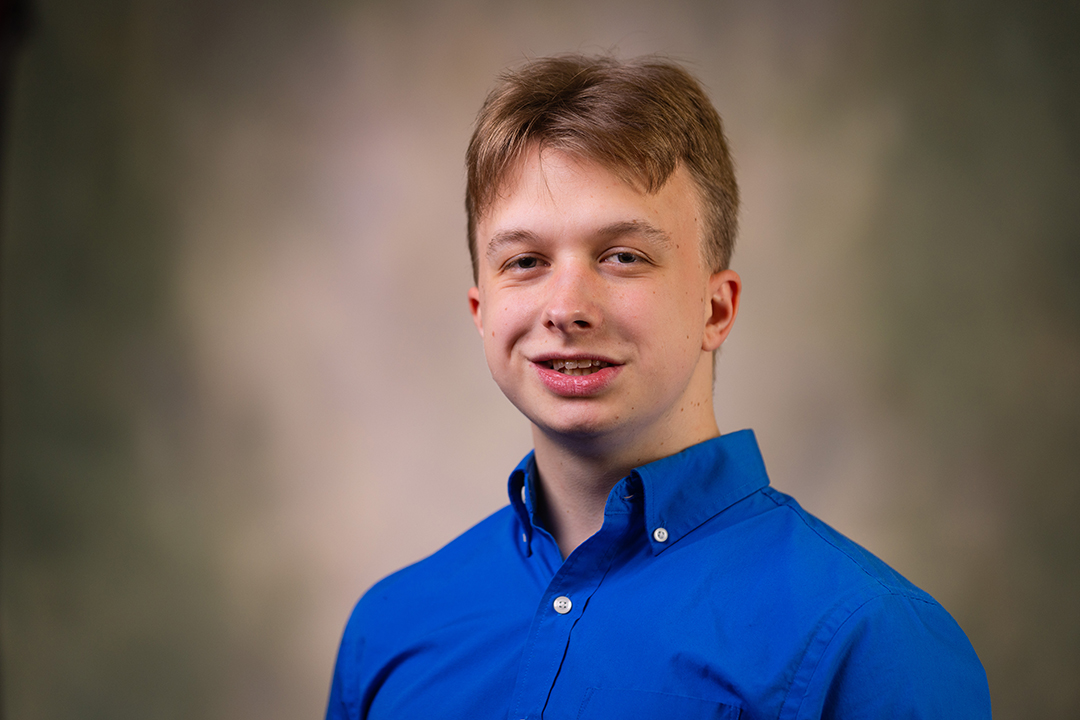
pixel 575 385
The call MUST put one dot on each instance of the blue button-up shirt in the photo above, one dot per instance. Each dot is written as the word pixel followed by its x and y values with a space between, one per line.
pixel 705 594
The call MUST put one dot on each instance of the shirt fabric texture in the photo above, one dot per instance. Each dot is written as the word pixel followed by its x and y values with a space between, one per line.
pixel 705 594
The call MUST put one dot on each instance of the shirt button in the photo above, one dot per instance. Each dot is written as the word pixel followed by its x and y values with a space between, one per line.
pixel 659 535
pixel 562 604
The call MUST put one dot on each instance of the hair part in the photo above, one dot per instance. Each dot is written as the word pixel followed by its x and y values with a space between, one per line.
pixel 640 119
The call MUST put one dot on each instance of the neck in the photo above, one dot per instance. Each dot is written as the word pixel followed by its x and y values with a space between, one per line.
pixel 576 474
pixel 573 492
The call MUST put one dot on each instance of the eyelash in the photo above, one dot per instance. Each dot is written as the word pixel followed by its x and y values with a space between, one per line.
pixel 634 257
pixel 516 263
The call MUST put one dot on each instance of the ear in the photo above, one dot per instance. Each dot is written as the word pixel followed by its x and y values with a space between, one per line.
pixel 724 290
pixel 474 308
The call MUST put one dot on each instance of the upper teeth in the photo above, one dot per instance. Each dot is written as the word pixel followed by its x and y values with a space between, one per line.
pixel 562 365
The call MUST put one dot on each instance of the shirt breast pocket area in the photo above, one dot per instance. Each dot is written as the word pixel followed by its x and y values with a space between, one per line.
pixel 621 704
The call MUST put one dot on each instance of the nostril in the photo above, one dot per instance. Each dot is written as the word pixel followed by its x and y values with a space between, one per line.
pixel 581 323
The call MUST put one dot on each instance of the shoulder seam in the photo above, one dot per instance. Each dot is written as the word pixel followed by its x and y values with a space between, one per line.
pixel 888 589
pixel 832 638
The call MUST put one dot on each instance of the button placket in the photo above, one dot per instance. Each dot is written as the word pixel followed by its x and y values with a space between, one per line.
pixel 579 577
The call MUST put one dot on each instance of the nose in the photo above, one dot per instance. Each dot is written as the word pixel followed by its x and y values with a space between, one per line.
pixel 572 302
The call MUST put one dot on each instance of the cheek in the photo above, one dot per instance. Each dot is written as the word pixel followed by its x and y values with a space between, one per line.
pixel 661 307
pixel 669 321
pixel 505 320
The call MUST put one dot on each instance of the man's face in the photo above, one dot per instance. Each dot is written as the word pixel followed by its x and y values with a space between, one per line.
pixel 597 311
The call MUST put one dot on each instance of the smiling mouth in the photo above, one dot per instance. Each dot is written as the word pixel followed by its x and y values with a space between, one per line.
pixel 577 367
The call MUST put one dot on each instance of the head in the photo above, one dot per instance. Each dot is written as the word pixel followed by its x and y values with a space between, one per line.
pixel 601 216
pixel 640 119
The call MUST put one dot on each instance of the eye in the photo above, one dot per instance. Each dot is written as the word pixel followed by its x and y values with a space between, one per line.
pixel 624 257
pixel 523 262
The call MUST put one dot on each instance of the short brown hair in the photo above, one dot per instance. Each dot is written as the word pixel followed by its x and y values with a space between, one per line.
pixel 639 118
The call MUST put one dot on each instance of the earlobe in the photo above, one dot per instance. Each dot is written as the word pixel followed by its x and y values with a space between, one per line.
pixel 724 290
pixel 474 308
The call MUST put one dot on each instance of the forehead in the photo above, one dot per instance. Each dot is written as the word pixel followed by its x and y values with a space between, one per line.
pixel 554 193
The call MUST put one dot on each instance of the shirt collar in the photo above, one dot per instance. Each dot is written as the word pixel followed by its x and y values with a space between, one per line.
pixel 521 491
pixel 681 491
pixel 684 490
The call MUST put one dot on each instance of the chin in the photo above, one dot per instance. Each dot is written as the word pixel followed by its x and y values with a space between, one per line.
pixel 576 420
pixel 575 428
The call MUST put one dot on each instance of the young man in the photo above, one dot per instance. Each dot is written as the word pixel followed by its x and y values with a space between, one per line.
pixel 644 567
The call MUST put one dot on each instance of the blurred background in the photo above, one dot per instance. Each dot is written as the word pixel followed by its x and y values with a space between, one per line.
pixel 240 383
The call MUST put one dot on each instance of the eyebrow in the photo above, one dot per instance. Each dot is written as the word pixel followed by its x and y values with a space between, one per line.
pixel 508 237
pixel 639 228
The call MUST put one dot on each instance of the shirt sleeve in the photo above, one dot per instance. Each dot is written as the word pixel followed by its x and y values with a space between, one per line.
pixel 895 656
pixel 344 703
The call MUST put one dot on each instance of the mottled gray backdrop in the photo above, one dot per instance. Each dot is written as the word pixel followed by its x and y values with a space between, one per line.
pixel 240 383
